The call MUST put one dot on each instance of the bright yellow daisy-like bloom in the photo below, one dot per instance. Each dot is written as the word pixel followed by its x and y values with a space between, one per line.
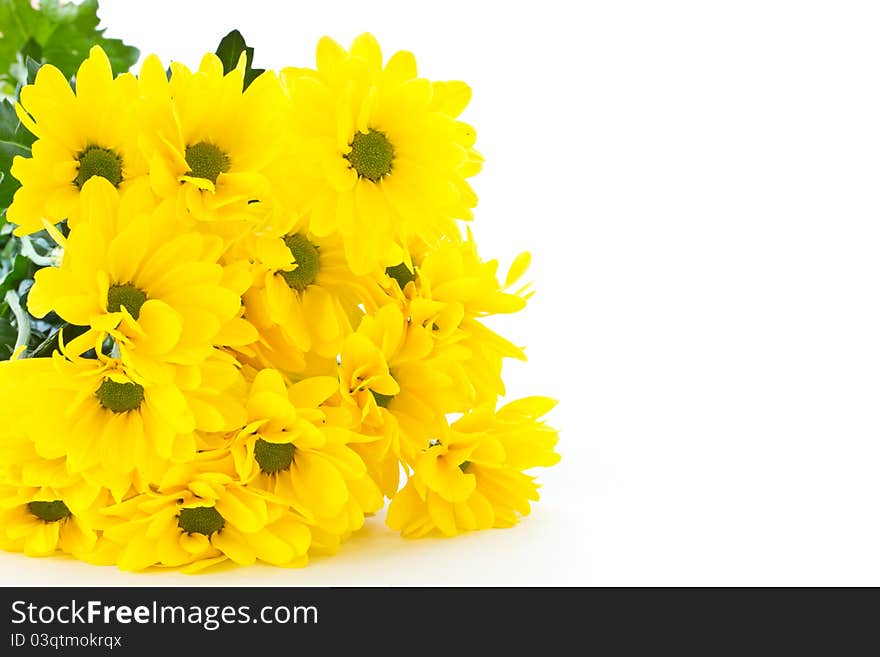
pixel 391 374
pixel 82 134
pixel 378 153
pixel 296 449
pixel 448 291
pixel 211 144
pixel 114 427
pixel 305 297
pixel 152 285
pixel 471 476
pixel 208 520
pixel 41 521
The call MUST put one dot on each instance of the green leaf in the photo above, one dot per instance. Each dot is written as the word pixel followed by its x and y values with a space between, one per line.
pixel 32 66
pixel 63 32
pixel 21 269
pixel 8 336
pixel 14 140
pixel 31 50
pixel 76 33
pixel 229 51
pixel 18 22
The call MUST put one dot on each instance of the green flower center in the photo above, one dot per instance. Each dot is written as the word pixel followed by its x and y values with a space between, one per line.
pixel 401 273
pixel 120 397
pixel 97 161
pixel 273 457
pixel 307 259
pixel 382 400
pixel 125 296
pixel 371 155
pixel 463 466
pixel 49 511
pixel 206 161
pixel 200 520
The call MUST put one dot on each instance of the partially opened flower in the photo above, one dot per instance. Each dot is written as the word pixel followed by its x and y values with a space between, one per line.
pixel 448 291
pixel 391 374
pixel 471 476
pixel 378 153
pixel 298 451
pixel 82 134
pixel 305 294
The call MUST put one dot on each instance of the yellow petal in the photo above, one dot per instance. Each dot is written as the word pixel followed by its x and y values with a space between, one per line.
pixel 318 307
pixel 446 478
pixel 313 391
pixel 126 253
pixel 269 381
pixel 271 548
pixel 245 511
pixel 99 200
pixel 367 48
pixel 234 545
pixel 405 509
pixel 274 253
pixel 450 97
pixel 203 564
pixel 170 405
pixel 152 78
pixel 138 554
pixel 237 333
pixel 318 484
pixel 162 326
pixel 294 533
pixel 94 77
pixel 266 405
pixel 518 268
pixel 443 514
pixel 329 54
pixel 401 67
pixel 43 540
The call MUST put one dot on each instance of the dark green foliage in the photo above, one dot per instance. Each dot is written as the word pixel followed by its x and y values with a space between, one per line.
pixel 229 51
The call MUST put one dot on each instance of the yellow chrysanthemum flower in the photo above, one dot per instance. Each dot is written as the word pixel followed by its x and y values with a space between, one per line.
pixel 449 289
pixel 208 521
pixel 377 153
pixel 115 427
pixel 470 477
pixel 90 132
pixel 305 293
pixel 149 283
pixel 391 374
pixel 40 521
pixel 211 145
pixel 297 450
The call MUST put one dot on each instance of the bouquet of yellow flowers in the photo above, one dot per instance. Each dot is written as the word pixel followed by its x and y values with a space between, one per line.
pixel 259 317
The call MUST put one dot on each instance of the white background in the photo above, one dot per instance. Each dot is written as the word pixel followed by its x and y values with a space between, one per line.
pixel 698 184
